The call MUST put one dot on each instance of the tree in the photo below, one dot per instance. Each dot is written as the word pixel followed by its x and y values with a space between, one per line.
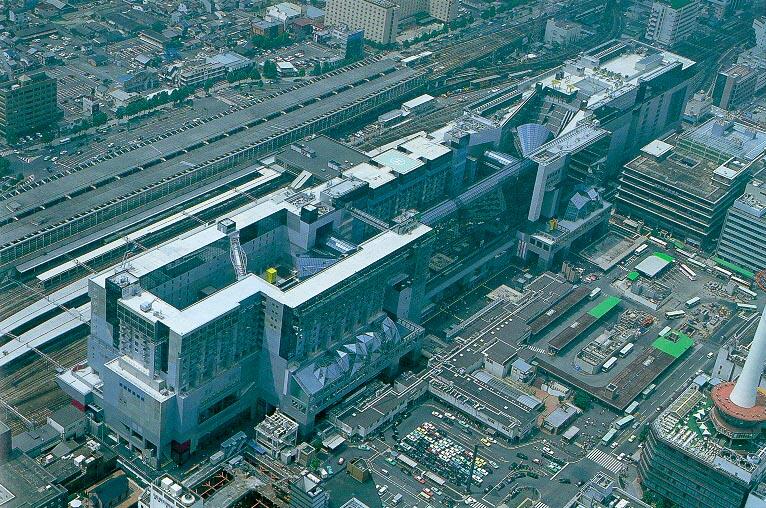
pixel 642 435
pixel 270 69
pixel 582 400
pixel 317 70
pixel 5 167
pixel 99 118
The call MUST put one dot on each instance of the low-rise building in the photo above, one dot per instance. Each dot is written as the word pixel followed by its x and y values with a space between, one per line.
pixel 561 32
pixel 276 433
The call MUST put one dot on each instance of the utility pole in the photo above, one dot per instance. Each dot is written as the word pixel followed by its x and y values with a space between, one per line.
pixel 470 469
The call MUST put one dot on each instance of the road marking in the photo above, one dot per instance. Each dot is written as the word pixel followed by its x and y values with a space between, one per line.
pixel 609 462
pixel 540 504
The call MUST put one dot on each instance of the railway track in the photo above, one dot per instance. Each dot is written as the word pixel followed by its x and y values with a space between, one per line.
pixel 31 388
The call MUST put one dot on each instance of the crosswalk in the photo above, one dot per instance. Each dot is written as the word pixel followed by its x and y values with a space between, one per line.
pixel 537 349
pixel 609 462
pixel 479 504
pixel 540 504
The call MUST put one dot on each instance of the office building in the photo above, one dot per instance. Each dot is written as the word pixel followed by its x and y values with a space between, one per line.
pixel 28 105
pixel 672 21
pixel 759 27
pixel 743 238
pixel 721 10
pixel 443 10
pixel 378 18
pixel 687 187
pixel 721 139
pixel 734 87
pixel 200 74
pixel 305 492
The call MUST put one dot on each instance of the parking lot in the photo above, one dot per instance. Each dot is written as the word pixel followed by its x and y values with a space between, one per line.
pixel 514 471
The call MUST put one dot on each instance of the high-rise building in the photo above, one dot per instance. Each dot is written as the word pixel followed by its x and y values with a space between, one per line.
pixel 443 10
pixel 706 450
pixel 759 27
pixel 672 21
pixel 286 304
pixel 734 87
pixel 28 105
pixel 378 18
pixel 743 238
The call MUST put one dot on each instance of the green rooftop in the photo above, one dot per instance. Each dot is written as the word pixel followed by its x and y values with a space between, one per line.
pixel 665 257
pixel 604 307
pixel 675 348
pixel 734 268
pixel 633 275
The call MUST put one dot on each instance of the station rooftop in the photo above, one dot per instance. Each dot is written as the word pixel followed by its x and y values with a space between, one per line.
pixel 612 70
pixel 80 192
pixel 321 156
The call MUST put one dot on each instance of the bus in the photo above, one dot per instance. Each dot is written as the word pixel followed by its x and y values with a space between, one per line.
pixel 675 314
pixel 747 292
pixel 747 307
pixel 631 409
pixel 659 242
pixel 721 272
pixel 665 331
pixel 623 422
pixel 693 302
pixel 609 364
pixel 626 349
pixel 641 248
pixel 698 264
pixel 685 253
pixel 741 281
pixel 648 391
pixel 594 294
pixel 688 272
pixel 608 436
